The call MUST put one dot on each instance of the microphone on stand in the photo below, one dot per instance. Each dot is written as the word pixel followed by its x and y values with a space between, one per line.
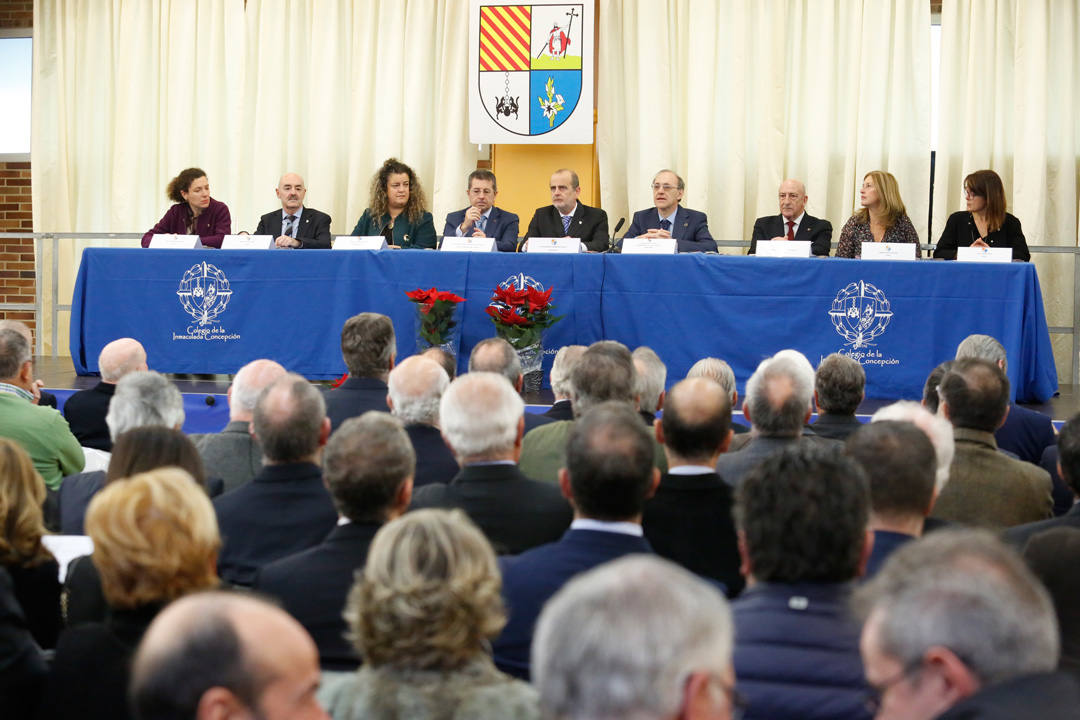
pixel 611 238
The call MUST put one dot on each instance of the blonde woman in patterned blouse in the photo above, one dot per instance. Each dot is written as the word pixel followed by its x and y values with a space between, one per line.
pixel 882 217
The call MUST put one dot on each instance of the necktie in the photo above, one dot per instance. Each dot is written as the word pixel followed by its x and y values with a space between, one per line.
pixel 290 224
pixel 481 223
pixel 665 224
pixel 790 229
pixel 566 224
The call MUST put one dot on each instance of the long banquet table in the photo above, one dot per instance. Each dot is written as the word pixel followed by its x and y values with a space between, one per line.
pixel 202 311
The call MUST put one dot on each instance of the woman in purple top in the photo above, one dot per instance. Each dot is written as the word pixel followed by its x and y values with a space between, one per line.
pixel 882 217
pixel 195 212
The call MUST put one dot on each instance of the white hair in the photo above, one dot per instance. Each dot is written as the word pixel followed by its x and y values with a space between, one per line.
pixel 562 366
pixel 715 369
pixel 650 378
pixel 415 389
pixel 479 415
pixel 144 398
pixel 788 417
pixel 937 428
pixel 982 347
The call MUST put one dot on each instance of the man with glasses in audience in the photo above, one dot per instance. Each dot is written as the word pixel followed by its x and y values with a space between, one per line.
pixel 670 219
pixel 793 223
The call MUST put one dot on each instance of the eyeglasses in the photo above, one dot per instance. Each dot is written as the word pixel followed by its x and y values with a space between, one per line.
pixel 969 193
pixel 876 693
pixel 665 188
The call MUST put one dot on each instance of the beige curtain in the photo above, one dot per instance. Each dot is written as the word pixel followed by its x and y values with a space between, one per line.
pixel 736 96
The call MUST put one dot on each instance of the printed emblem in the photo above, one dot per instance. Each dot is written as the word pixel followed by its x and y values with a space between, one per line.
pixel 860 313
pixel 204 292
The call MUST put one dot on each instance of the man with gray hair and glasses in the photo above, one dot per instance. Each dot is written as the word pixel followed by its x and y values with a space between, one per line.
pixel 638 638
pixel 956 626
pixel 417 385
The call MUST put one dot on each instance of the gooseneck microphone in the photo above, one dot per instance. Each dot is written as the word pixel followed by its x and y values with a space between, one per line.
pixel 611 238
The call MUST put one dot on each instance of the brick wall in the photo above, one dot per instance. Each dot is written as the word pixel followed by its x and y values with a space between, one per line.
pixel 16 13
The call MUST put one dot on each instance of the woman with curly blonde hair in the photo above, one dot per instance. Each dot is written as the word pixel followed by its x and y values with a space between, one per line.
pixel 33 569
pixel 397 209
pixel 422 615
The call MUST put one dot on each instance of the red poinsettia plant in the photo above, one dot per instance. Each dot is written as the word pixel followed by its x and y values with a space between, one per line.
pixel 436 313
pixel 521 315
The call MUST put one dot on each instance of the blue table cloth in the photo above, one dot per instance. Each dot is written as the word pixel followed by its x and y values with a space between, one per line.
pixel 899 319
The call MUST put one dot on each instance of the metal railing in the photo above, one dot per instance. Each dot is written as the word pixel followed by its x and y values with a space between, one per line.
pixel 53 239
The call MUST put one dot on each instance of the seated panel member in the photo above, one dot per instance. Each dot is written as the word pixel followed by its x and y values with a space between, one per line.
pixel 985 222
pixel 882 217
pixel 566 217
pixel 295 226
pixel 482 218
pixel 195 212
pixel 397 209
pixel 670 219
pixel 793 223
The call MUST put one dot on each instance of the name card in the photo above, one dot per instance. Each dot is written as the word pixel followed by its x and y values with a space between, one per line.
pixel 359 242
pixel 783 248
pixel 888 251
pixel 649 246
pixel 452 243
pixel 66 548
pixel 553 245
pixel 987 254
pixel 247 242
pixel 172 241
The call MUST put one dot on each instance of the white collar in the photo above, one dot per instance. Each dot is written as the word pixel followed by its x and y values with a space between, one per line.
pixel 623 528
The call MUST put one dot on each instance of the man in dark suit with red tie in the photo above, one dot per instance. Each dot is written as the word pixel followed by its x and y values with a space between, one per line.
pixel 670 219
pixel 793 223
pixel 568 217
pixel 295 226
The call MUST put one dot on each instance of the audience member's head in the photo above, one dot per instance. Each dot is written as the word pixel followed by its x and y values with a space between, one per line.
pixel 1053 555
pixel 496 355
pixel 482 418
pixel 368 345
pixel 779 394
pixel 22 492
pixel 839 385
pixel 144 398
pixel 16 360
pixel 429 596
pixel 609 469
pixel 20 327
pixel 604 372
pixel 948 615
pixel 975 395
pixel 983 347
pixel 1069 453
pixel 143 449
pixel 901 467
pixel 416 385
pixel 444 358
pixel 290 420
pixel 249 382
pixel 368 466
pixel 119 358
pixel 719 371
pixel 802 517
pixel 937 428
pixel 638 637
pixel 217 655
pixel 155 538
pixel 931 397
pixel 561 367
pixel 696 426
pixel 651 377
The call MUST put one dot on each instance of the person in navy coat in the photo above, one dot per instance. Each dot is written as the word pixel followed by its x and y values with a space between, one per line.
pixel 670 219
pixel 482 218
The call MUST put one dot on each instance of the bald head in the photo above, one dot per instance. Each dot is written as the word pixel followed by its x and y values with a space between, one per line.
pixel 415 387
pixel 209 654
pixel 498 356
pixel 248 384
pixel 696 425
pixel 291 191
pixel 792 199
pixel 119 358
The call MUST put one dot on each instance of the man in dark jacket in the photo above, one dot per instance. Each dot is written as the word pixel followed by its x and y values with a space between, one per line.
pixel 839 387
pixel 369 348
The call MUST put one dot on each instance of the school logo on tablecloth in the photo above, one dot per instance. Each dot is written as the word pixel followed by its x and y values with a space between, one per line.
pixel 531 71
pixel 860 313
pixel 204 293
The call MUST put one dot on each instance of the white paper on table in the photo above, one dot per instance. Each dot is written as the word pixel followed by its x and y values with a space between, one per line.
pixel 172 241
pixel 984 254
pixel 247 242
pixel 469 243
pixel 783 248
pixel 359 242
pixel 649 246
pixel 888 251
pixel 553 245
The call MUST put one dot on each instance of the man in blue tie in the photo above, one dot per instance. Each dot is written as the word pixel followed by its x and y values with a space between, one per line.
pixel 566 217
pixel 670 219
pixel 295 226
pixel 482 218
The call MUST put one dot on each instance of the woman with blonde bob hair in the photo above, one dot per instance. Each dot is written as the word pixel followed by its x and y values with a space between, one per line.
pixel 422 615
pixel 882 217
pixel 34 572
pixel 155 539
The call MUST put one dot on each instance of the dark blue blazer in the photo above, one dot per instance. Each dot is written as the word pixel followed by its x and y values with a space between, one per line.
pixel 534 576
pixel 434 461
pixel 1026 433
pixel 501 225
pixel 886 543
pixel 1018 535
pixel 85 412
pixel 355 397
pixel 691 229
pixel 1064 497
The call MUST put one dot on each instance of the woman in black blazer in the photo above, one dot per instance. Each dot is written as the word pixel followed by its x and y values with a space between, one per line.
pixel 985 222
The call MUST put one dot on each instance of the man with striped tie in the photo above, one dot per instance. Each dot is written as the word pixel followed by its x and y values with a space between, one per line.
pixel 566 217
pixel 295 226
pixel 482 218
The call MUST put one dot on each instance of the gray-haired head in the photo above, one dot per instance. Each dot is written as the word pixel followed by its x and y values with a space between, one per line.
pixel 779 394
pixel 962 590
pixel 248 384
pixel 496 355
pixel 650 380
pixel 445 359
pixel 14 353
pixel 839 383
pixel 983 347
pixel 365 465
pixel 481 417
pixel 717 370
pixel 144 398
pixel 119 358
pixel 937 428
pixel 604 373
pixel 368 345
pixel 623 641
pixel 561 367
pixel 288 420
pixel 416 386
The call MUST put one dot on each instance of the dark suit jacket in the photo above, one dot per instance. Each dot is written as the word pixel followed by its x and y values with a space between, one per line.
pixel 85 412
pixel 688 521
pixel 818 232
pixel 1064 497
pixel 530 579
pixel 501 225
pixel 1047 696
pixel 886 543
pixel 589 223
pixel 515 513
pixel 960 231
pixel 691 229
pixel 1026 433
pixel 732 466
pixel 284 510
pixel 22 665
pixel 535 420
pixel 1018 535
pixel 434 461
pixel 37 589
pixel 834 427
pixel 560 410
pixel 75 494
pixel 314 584
pixel 312 232
pixel 355 397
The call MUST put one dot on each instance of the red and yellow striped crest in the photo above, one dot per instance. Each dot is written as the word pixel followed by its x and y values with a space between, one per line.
pixel 504 37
